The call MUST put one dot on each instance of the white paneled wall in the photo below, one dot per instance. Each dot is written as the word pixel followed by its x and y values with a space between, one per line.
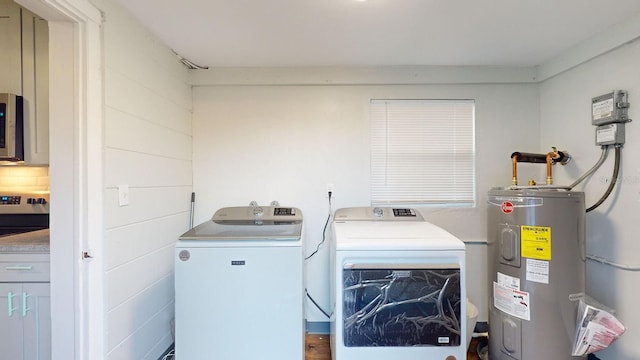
pixel 286 143
pixel 148 148
pixel 565 109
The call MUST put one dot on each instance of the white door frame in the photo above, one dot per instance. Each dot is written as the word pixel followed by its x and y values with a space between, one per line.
pixel 76 160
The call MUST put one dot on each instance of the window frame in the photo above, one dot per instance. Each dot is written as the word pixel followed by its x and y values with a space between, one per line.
pixel 448 137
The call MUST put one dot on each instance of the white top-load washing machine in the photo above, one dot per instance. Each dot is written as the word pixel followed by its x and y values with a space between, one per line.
pixel 398 287
pixel 239 286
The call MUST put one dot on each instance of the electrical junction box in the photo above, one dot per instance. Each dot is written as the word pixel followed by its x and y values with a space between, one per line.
pixel 610 108
pixel 610 134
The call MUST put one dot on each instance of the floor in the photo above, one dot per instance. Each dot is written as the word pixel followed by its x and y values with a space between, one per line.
pixel 317 348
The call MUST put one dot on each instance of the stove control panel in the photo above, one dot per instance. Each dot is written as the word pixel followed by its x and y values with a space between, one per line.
pixel 10 200
pixel 24 203
pixel 17 200
pixel 34 201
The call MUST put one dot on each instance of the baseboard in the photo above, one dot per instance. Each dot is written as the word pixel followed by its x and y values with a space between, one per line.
pixel 317 327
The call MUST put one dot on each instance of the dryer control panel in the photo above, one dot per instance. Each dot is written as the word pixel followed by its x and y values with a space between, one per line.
pixel 377 214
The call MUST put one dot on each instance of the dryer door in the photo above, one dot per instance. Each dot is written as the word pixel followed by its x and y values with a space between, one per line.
pixel 401 305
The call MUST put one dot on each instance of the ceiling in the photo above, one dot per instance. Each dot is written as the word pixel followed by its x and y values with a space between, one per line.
pixel 299 33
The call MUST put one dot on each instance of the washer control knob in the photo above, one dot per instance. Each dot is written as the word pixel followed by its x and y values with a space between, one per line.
pixel 378 212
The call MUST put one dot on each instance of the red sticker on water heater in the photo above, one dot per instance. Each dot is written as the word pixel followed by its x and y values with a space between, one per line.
pixel 507 207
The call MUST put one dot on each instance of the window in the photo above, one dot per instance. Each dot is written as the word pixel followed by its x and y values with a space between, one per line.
pixel 422 152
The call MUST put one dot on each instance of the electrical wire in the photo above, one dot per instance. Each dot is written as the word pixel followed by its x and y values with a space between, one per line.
pixel 324 236
pixel 612 184
pixel 316 304
pixel 324 231
pixel 604 261
pixel 603 157
pixel 600 259
pixel 188 63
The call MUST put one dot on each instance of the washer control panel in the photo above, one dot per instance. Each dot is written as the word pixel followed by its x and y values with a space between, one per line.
pixel 404 212
pixel 280 211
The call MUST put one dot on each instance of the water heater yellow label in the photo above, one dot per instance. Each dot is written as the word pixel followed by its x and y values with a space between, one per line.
pixel 535 242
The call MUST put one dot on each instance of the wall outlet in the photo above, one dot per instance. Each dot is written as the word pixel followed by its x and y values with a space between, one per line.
pixel 123 195
pixel 330 188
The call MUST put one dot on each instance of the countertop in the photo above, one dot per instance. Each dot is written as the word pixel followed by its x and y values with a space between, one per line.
pixel 29 242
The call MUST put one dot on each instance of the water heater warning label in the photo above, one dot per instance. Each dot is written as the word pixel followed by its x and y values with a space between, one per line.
pixel 536 242
pixel 511 301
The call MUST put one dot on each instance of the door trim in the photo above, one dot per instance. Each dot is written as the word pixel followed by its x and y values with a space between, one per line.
pixel 76 161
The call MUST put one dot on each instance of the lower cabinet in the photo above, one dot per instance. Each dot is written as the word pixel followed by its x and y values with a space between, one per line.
pixel 25 317
pixel 25 321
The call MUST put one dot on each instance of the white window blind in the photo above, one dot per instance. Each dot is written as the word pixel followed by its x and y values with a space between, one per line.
pixel 422 152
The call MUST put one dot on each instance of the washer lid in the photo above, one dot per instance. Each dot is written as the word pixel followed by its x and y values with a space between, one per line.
pixel 250 223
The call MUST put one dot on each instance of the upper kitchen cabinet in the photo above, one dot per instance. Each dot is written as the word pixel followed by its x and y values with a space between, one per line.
pixel 24 70
pixel 35 88
pixel 10 43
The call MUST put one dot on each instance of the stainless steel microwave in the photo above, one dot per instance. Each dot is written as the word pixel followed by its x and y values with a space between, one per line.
pixel 11 127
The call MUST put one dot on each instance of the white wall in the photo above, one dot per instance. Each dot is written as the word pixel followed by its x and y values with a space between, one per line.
pixel 565 113
pixel 147 147
pixel 286 143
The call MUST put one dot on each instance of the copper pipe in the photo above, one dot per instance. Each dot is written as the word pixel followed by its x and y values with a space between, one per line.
pixel 550 157
pixel 514 169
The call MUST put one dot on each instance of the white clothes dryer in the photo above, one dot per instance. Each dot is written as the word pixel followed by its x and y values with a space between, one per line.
pixel 239 286
pixel 398 287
